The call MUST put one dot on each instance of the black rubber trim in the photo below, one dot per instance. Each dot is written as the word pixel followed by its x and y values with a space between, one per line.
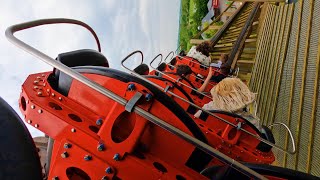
pixel 266 134
pixel 19 158
pixel 175 86
pixel 235 116
pixel 174 107
pixel 192 110
pixel 198 160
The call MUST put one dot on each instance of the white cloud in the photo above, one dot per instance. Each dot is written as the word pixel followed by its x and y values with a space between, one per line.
pixel 123 26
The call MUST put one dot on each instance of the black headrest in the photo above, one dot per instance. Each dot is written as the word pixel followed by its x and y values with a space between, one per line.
pixel 142 69
pixel 83 57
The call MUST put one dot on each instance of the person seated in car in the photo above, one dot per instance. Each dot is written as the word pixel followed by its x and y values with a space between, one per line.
pixel 184 70
pixel 222 68
pixel 201 53
pixel 234 96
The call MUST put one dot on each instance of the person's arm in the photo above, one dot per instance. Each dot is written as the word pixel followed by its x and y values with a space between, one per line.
pixel 206 82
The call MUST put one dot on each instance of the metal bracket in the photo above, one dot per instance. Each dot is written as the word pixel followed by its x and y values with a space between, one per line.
pixel 132 102
pixel 167 88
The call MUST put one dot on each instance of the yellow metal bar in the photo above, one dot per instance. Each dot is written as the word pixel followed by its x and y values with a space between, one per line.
pixel 273 79
pixel 270 62
pixel 274 61
pixel 263 57
pixel 292 82
pixel 287 35
pixel 314 109
pixel 261 40
pixel 303 84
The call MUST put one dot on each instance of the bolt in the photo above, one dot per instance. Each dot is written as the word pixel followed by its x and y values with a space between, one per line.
pixel 108 170
pixel 148 97
pixel 104 178
pixel 39 111
pixel 42 75
pixel 36 125
pixel 39 93
pixel 33 106
pixel 101 147
pixel 35 87
pixel 48 90
pixel 60 98
pixel 52 94
pixel 64 154
pixel 99 122
pixel 73 130
pixel 131 87
pixel 87 157
pixel 67 145
pixel 55 178
pixel 116 157
pixel 35 82
pixel 29 121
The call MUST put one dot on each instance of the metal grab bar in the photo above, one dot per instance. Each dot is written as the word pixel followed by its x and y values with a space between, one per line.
pixel 200 108
pixel 159 55
pixel 165 59
pixel 77 76
pixel 289 131
pixel 178 80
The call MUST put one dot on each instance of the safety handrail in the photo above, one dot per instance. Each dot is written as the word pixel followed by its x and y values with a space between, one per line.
pixel 200 108
pixel 176 80
pixel 159 55
pixel 81 78
pixel 165 59
pixel 289 131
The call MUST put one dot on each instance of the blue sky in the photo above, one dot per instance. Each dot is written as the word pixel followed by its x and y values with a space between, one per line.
pixel 122 26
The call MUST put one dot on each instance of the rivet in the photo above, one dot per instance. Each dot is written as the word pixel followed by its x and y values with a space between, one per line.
pixel 64 154
pixel 109 170
pixel 67 145
pixel 42 75
pixel 148 97
pixel 73 130
pixel 29 121
pixel 35 82
pixel 33 106
pixel 40 111
pixel 39 93
pixel 87 157
pixel 60 98
pixel 44 84
pixel 116 157
pixel 99 122
pixel 38 77
pixel 55 178
pixel 27 101
pixel 48 90
pixel 104 178
pixel 35 87
pixel 52 94
pixel 100 147
pixel 131 87
pixel 36 125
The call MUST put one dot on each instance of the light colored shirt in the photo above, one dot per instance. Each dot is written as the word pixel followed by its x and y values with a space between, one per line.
pixel 217 65
pixel 203 59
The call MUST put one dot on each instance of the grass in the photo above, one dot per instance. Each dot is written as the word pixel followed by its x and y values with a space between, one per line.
pixel 192 12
